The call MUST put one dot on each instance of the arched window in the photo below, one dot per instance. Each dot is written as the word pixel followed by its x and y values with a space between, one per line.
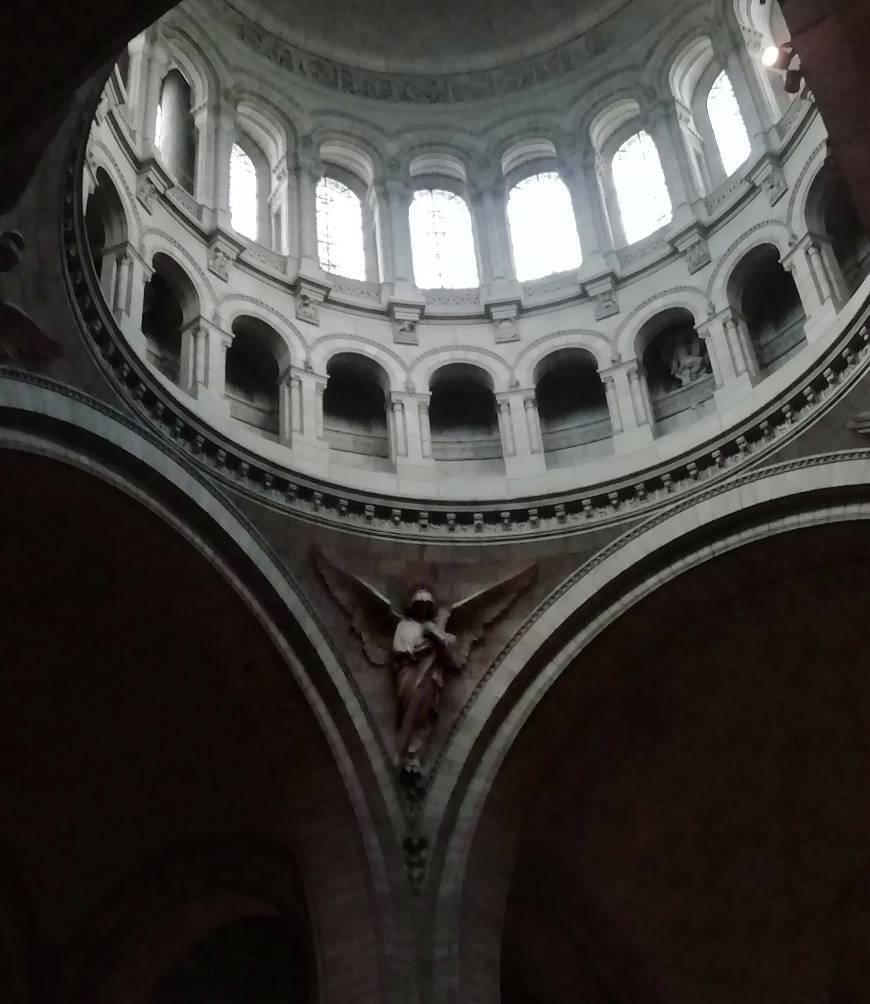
pixel 243 193
pixel 727 122
pixel 644 203
pixel 542 226
pixel 442 241
pixel 175 132
pixel 340 229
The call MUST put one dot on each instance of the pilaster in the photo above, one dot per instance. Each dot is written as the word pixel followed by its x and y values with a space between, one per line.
pixel 625 390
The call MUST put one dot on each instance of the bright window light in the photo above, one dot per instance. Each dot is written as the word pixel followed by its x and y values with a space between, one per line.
pixel 542 226
pixel 243 193
pixel 644 203
pixel 442 241
pixel 158 128
pixel 340 230
pixel 728 125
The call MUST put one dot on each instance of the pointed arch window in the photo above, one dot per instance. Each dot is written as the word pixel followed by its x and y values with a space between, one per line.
pixel 641 190
pixel 340 245
pixel 243 193
pixel 728 126
pixel 542 227
pixel 442 240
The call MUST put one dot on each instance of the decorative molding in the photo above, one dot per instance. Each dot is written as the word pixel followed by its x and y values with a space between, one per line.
pixel 425 89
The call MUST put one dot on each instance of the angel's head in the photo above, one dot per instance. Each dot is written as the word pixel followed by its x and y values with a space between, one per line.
pixel 421 603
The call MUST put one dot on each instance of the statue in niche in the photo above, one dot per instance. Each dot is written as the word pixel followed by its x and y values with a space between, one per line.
pixel 416 642
pixel 684 357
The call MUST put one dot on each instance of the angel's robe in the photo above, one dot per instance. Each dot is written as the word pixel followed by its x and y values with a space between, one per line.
pixel 419 680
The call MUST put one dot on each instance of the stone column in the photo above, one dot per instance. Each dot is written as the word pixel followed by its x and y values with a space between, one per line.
pixel 425 428
pixel 398 431
pixel 506 428
pixel 577 170
pixel 613 409
pixel 533 423
pixel 286 405
pixel 629 411
pixel 148 66
pixel 398 198
pixel 520 457
pixel 731 356
pixel 304 418
pixel 410 436
pixel 489 209
pixel 370 244
pixel 746 91
pixel 665 130
pixel 308 173
pixel 216 127
pixel 130 316
pixel 806 264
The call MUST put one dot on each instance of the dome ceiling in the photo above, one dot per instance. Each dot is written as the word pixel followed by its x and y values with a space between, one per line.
pixel 428 36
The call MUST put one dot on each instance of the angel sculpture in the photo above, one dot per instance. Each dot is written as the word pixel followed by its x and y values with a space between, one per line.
pixel 416 643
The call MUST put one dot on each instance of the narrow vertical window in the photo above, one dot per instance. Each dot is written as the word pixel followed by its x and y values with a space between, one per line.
pixel 442 241
pixel 542 226
pixel 644 203
pixel 243 193
pixel 340 229
pixel 727 123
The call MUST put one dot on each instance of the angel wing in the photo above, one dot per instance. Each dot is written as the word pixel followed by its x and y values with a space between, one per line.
pixel 470 616
pixel 21 337
pixel 371 614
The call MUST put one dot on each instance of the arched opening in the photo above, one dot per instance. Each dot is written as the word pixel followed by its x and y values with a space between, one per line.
pixel 679 376
pixel 766 297
pixel 442 240
pixel 464 421
pixel 700 760
pixel 727 123
pixel 166 775
pixel 169 304
pixel 106 231
pixel 340 242
pixel 244 196
pixel 252 375
pixel 641 190
pixel 175 133
pixel 542 226
pixel 832 216
pixel 355 411
pixel 251 960
pixel 572 407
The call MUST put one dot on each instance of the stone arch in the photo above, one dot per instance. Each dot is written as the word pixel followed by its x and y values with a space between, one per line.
pixel 234 305
pixel 799 214
pixel 108 229
pixel 157 242
pixel 112 451
pixel 198 67
pixel 688 298
pixel 103 159
pixel 426 365
pixel 356 402
pixel 157 914
pixel 632 567
pixel 597 345
pixel 327 346
pixel 773 232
